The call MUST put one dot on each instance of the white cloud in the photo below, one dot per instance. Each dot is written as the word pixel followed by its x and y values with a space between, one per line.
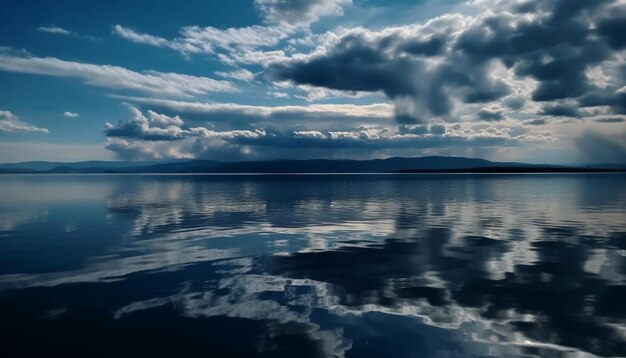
pixel 242 75
pixel 116 77
pixel 234 45
pixel 374 110
pixel 11 123
pixel 146 39
pixel 300 11
pixel 210 40
pixel 311 94
pixel 55 30
pixel 70 115
pixel 277 94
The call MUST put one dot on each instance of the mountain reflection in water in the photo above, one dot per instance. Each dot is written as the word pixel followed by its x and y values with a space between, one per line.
pixel 313 265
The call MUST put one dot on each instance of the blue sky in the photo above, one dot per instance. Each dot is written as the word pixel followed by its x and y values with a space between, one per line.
pixel 535 81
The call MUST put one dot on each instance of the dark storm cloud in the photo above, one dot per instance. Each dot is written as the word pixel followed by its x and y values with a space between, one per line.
pixel 610 120
pixel 424 69
pixel 398 65
pixel 433 46
pixel 606 97
pixel 438 129
pixel 515 102
pixel 613 27
pixel 492 113
pixel 561 110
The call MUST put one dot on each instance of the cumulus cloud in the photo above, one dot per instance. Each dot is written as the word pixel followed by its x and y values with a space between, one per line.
pixel 11 123
pixel 491 113
pixel 505 72
pixel 116 77
pixel 401 62
pixel 432 68
pixel 160 136
pixel 70 115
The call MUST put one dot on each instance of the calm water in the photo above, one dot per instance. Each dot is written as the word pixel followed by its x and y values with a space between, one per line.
pixel 313 266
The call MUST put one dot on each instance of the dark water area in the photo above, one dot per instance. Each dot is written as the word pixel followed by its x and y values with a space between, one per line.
pixel 313 265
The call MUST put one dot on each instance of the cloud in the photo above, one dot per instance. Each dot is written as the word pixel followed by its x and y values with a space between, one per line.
pixel 536 122
pixel 240 45
pixel 561 110
pixel 311 94
pixel 418 130
pixel 161 136
pixel 300 11
pixel 116 77
pixel 611 120
pixel 61 31
pixel 241 75
pixel 277 94
pixel 154 127
pixel 491 113
pixel 394 61
pixel 377 110
pixel 55 30
pixel 146 39
pixel 236 42
pixel 70 115
pixel 335 115
pixel 431 70
pixel 11 123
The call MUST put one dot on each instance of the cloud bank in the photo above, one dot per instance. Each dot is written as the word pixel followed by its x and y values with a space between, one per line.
pixel 116 77
pixel 11 123
pixel 430 69
pixel 155 135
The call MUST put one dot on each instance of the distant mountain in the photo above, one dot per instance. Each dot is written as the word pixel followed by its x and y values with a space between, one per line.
pixel 397 164
pixel 320 165
pixel 43 166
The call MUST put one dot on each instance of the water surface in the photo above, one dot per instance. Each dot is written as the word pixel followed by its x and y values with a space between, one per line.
pixel 313 265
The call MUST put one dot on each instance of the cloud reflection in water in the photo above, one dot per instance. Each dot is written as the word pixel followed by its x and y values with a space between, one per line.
pixel 331 265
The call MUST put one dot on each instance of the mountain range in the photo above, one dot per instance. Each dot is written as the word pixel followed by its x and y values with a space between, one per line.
pixel 395 164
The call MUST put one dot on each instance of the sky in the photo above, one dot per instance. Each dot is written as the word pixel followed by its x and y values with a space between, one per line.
pixel 538 81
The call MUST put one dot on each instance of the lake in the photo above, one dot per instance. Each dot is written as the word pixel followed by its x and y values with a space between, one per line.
pixel 313 265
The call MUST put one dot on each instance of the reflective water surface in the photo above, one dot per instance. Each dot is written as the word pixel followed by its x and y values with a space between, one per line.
pixel 313 265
